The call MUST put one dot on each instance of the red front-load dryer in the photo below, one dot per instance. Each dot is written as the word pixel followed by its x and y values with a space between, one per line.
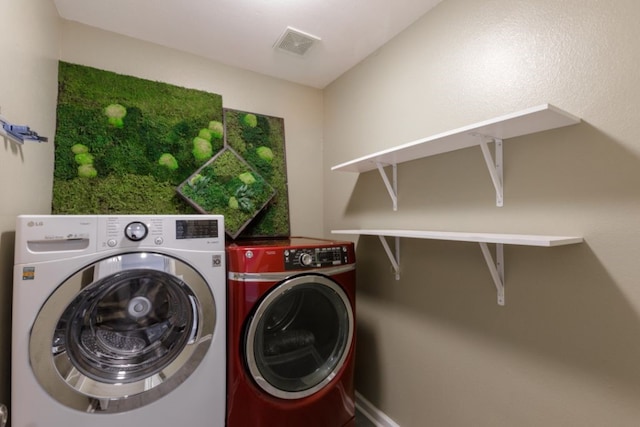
pixel 291 333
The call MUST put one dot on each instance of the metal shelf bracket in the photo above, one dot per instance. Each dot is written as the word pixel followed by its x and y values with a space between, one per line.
pixel 394 259
pixel 392 187
pixel 496 268
pixel 493 165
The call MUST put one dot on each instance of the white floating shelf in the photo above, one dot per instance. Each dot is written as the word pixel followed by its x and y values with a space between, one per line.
pixel 525 122
pixel 496 268
pixel 509 239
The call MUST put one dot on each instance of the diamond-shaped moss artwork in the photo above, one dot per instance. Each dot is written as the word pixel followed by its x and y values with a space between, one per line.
pixel 229 186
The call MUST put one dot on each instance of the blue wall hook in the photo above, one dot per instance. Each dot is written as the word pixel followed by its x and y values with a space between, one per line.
pixel 19 133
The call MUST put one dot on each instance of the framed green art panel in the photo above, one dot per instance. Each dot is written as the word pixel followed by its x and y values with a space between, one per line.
pixel 126 145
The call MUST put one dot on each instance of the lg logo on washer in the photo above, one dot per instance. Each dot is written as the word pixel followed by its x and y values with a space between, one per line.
pixel 35 224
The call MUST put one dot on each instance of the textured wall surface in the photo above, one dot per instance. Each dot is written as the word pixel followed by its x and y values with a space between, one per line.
pixel 434 347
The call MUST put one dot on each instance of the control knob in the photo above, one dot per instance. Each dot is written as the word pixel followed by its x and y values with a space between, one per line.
pixel 136 231
pixel 306 259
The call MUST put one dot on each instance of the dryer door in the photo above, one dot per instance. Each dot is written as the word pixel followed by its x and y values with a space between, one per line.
pixel 122 332
pixel 299 336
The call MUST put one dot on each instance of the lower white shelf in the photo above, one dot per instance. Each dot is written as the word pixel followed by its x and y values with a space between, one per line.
pixel 496 268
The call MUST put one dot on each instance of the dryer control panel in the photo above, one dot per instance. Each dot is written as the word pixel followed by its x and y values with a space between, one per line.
pixel 300 258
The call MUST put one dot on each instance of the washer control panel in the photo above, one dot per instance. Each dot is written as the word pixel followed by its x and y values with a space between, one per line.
pixel 45 237
pixel 51 233
pixel 317 257
pixel 188 232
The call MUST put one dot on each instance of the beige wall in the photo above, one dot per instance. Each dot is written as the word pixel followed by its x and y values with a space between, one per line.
pixel 434 348
pixel 28 90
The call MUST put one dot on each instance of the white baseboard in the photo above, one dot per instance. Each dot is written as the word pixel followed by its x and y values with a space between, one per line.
pixel 375 415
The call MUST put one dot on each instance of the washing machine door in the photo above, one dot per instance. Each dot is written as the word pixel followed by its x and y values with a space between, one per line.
pixel 299 336
pixel 122 332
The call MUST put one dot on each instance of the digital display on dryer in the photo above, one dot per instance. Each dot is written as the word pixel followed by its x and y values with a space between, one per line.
pixel 196 228
pixel 297 258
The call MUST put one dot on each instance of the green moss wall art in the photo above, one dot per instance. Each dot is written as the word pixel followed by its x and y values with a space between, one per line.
pixel 126 145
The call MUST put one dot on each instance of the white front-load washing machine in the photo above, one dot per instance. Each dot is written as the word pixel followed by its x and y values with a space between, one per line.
pixel 119 321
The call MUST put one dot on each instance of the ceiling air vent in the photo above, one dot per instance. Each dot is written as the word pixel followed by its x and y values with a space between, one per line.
pixel 295 41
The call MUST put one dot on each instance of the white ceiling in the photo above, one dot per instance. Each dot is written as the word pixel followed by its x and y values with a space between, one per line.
pixel 242 33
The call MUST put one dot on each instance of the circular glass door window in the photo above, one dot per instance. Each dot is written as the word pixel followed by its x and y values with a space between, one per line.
pixel 122 327
pixel 299 336
pixel 128 326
